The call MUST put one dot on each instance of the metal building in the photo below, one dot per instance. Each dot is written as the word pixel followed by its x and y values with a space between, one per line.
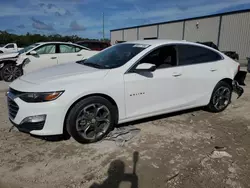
pixel 230 31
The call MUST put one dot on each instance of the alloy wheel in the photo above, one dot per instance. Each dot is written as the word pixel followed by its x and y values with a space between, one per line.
pixel 93 121
pixel 11 73
pixel 221 97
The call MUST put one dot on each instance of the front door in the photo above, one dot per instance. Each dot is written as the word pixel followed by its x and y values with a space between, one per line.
pixel 46 57
pixel 154 92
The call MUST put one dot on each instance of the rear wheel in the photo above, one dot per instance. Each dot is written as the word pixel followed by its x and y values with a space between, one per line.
pixel 11 72
pixel 221 97
pixel 91 119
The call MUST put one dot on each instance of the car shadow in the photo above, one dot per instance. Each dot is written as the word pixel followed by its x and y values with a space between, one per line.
pixel 66 136
pixel 116 174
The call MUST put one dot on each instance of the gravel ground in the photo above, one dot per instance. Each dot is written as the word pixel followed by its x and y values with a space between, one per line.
pixel 190 149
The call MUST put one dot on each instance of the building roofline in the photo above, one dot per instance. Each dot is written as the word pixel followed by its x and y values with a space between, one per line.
pixel 187 19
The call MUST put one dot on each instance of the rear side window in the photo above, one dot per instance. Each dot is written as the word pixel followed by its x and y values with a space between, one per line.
pixel 64 48
pixel 189 54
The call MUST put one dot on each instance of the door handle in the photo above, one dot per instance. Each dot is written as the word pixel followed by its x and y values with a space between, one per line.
pixel 53 58
pixel 79 54
pixel 212 70
pixel 176 74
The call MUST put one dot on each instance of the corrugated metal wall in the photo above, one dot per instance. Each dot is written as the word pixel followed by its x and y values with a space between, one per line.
pixel 171 31
pixel 230 32
pixel 116 35
pixel 207 30
pixel 130 34
pixel 235 34
pixel 148 32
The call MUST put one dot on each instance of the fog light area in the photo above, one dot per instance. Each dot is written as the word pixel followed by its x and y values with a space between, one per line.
pixel 34 119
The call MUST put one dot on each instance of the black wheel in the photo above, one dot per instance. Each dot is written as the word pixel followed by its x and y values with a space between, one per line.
pixel 11 72
pixel 221 97
pixel 91 119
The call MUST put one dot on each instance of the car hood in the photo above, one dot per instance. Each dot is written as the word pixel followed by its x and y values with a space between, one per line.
pixel 8 55
pixel 63 74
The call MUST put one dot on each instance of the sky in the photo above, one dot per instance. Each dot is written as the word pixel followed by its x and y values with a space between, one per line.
pixel 85 17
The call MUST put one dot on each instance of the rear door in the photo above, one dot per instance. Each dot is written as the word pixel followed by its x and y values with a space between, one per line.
pixel 200 73
pixel 71 53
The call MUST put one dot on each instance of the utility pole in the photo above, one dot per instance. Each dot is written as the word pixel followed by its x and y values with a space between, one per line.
pixel 103 33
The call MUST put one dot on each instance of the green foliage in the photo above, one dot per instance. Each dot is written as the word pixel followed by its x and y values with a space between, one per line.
pixel 25 40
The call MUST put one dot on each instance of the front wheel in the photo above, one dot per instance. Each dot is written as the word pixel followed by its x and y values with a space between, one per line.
pixel 221 97
pixel 11 72
pixel 91 119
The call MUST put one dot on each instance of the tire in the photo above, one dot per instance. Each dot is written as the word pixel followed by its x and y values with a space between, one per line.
pixel 85 130
pixel 222 94
pixel 11 72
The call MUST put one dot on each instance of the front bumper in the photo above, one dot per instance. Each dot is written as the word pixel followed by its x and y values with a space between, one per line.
pixel 52 124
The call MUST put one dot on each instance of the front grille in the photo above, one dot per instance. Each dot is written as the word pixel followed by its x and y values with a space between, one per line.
pixel 13 108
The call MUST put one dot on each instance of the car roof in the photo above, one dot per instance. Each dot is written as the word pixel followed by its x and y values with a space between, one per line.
pixel 56 42
pixel 92 41
pixel 158 42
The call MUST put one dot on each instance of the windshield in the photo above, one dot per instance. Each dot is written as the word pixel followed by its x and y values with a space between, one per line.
pixel 28 48
pixel 115 56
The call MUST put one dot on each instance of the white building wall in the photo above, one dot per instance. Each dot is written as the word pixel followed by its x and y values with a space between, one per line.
pixel 171 31
pixel 147 32
pixel 206 30
pixel 235 34
pixel 116 35
pixel 130 34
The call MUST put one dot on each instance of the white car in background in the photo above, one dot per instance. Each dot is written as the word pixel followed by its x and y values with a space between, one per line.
pixel 122 83
pixel 47 54
pixel 9 48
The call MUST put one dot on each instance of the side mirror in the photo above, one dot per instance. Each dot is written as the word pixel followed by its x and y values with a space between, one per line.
pixel 33 52
pixel 146 67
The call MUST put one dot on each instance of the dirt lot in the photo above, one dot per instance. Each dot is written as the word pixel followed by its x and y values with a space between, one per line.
pixel 176 150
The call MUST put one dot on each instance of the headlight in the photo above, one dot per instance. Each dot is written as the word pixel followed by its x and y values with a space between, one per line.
pixel 40 96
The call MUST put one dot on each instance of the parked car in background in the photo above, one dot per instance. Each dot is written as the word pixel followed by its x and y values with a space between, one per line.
pixel 8 69
pixel 9 48
pixel 125 82
pixel 45 54
pixel 94 45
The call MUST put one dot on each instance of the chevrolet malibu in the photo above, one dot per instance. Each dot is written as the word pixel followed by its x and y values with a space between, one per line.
pixel 125 82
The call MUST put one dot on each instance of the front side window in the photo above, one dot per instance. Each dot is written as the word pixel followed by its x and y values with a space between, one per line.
pixel 10 46
pixel 115 56
pixel 46 49
pixel 26 49
pixel 64 48
pixel 163 57
pixel 190 54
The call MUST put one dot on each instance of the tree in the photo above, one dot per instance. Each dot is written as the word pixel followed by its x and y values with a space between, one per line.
pixel 25 40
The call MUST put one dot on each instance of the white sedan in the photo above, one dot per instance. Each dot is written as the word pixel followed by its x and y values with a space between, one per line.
pixel 46 54
pixel 125 82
